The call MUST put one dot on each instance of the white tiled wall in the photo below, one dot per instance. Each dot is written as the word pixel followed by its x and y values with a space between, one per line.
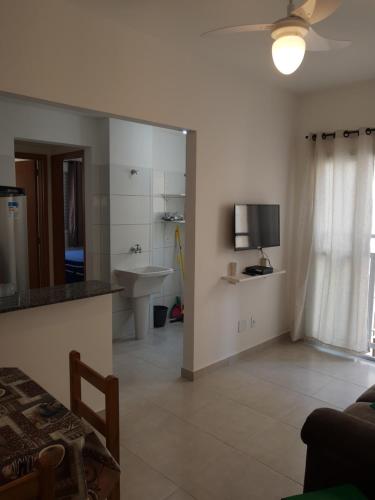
pixel 124 182
pixel 137 203
pixel 168 181
pixel 130 210
pixel 123 237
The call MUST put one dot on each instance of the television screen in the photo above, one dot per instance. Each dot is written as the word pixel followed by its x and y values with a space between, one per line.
pixel 256 226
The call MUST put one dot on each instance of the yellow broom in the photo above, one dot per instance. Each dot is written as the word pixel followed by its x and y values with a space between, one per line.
pixel 180 255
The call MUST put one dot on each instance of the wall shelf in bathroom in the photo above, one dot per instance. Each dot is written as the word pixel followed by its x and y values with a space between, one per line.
pixel 182 195
pixel 240 278
pixel 174 221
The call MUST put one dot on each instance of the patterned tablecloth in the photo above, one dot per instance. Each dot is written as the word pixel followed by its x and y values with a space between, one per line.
pixel 34 426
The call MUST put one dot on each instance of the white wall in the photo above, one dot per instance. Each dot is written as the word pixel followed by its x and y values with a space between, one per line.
pixel 38 340
pixel 137 204
pixel 244 140
pixel 39 123
pixel 340 108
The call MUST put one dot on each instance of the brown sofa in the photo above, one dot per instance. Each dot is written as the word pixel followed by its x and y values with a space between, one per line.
pixel 341 446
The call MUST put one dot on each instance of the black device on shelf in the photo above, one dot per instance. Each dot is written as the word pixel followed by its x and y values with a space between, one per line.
pixel 258 270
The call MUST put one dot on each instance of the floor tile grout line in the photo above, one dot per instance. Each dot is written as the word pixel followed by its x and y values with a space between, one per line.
pixel 313 394
pixel 166 370
pixel 184 491
pixel 335 377
pixel 283 386
pixel 300 365
pixel 238 450
pixel 229 445
pixel 152 468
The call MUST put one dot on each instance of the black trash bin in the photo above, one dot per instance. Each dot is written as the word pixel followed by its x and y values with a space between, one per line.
pixel 160 316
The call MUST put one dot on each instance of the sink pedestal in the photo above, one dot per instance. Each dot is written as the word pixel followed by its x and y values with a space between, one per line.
pixel 139 284
pixel 141 308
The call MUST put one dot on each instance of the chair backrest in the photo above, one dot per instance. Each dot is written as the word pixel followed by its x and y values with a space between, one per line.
pixel 107 427
pixel 39 485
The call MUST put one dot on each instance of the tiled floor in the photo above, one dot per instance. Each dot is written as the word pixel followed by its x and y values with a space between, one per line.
pixel 232 434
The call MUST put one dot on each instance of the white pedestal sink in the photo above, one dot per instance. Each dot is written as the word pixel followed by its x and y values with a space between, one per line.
pixel 138 285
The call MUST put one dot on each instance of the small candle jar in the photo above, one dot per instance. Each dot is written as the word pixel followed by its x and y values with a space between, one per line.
pixel 232 268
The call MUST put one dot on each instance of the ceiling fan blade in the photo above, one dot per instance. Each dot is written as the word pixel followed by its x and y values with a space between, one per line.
pixel 232 30
pixel 316 43
pixel 314 11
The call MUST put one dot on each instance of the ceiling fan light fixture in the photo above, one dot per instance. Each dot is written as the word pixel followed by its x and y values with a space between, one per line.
pixel 293 34
pixel 288 52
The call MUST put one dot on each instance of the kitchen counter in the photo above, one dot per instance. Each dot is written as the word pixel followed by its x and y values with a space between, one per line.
pixel 53 295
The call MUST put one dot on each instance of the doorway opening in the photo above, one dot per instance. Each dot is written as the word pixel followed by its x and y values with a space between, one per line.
pixel 32 175
pixel 147 233
pixel 53 179
pixel 68 212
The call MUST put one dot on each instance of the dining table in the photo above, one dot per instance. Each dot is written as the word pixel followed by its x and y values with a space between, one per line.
pixel 35 427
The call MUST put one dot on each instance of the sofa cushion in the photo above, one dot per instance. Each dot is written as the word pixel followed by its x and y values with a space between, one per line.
pixel 362 410
pixel 369 395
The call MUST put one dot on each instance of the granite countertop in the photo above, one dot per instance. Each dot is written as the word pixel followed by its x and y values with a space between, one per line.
pixel 37 297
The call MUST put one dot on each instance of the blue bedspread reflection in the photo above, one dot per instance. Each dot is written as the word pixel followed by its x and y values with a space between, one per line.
pixel 74 265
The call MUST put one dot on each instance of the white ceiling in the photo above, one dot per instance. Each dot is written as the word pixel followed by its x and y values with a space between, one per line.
pixel 180 22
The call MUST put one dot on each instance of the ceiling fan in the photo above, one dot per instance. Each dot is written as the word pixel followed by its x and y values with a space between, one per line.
pixel 293 35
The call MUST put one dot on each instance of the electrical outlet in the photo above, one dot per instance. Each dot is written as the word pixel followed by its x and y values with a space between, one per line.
pixel 242 326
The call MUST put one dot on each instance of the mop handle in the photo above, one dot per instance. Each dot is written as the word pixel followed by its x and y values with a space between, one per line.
pixel 180 255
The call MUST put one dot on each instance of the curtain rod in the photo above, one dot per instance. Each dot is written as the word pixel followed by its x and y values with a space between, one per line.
pixel 347 133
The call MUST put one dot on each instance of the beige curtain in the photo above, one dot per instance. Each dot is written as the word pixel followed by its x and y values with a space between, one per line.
pixel 332 240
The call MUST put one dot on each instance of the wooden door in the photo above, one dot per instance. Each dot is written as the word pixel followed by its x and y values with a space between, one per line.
pixel 26 178
pixel 31 174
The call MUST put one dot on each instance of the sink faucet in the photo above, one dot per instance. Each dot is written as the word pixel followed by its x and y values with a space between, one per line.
pixel 136 249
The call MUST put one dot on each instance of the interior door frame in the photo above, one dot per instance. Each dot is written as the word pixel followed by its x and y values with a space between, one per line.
pixel 57 191
pixel 42 202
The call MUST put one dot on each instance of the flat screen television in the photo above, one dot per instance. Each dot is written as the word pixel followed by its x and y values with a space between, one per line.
pixel 256 226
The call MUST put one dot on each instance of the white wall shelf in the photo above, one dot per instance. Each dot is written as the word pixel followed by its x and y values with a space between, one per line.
pixel 182 195
pixel 174 221
pixel 240 278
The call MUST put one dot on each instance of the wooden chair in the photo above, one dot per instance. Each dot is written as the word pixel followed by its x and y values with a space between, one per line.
pixel 38 485
pixel 109 426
